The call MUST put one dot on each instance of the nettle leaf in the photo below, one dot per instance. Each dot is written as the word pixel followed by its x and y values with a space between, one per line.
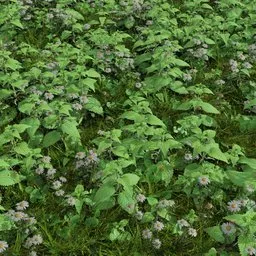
pixel 33 124
pixel 75 14
pixel 132 115
pixel 245 241
pixel 153 120
pixel 121 151
pixel 70 128
pixel 216 153
pixel 4 164
pixel 92 73
pixel 126 201
pixel 240 178
pixel 26 107
pixel 22 149
pixel 94 106
pixel 104 197
pixel 215 233
pixel 8 178
pixel 249 161
pixel 6 223
pixel 180 63
pixel 128 179
pixel 51 138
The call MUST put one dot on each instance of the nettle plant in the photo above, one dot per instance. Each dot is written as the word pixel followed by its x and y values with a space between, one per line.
pixel 112 123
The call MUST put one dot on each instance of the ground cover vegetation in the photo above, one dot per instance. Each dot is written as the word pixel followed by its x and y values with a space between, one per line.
pixel 127 127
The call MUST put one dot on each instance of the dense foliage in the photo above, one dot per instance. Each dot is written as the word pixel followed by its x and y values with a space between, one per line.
pixel 127 127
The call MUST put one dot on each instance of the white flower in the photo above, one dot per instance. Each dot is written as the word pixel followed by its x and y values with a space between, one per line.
pixel 46 159
pixel 203 180
pixel 71 200
pixel 146 234
pixel 56 184
pixel 30 220
pixel 138 85
pixel 250 188
pixel 187 77
pixel 87 26
pixel 36 240
pixel 39 170
pixel 22 205
pixel 77 106
pixel 156 243
pixel 83 99
pixel 234 206
pixel 17 216
pixel 228 228
pixel 192 232
pixel 158 226
pixel 3 246
pixel 59 192
pixel 183 223
pixel 32 253
pixel 250 250
pixel 188 157
pixel 220 82
pixel 139 215
pixel 80 155
pixel 247 65
pixel 48 96
pixel 165 203
pixel 140 198
pixel 63 179
pixel 51 172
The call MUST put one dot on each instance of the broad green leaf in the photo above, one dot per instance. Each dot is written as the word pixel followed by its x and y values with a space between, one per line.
pixel 128 179
pixel 92 73
pixel 215 233
pixel 126 201
pixel 8 178
pixel 94 105
pixel 70 128
pixel 51 138
pixel 22 149
pixel 153 120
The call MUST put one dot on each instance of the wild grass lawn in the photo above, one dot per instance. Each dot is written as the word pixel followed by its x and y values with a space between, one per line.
pixel 127 127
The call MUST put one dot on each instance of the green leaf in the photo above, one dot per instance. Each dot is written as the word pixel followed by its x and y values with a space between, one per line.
pixel 94 105
pixel 70 128
pixel 33 124
pixel 26 107
pixel 180 63
pixel 208 108
pixel 216 233
pixel 216 153
pixel 5 223
pixel 103 197
pixel 132 115
pixel 8 178
pixel 92 73
pixel 22 149
pixel 153 120
pixel 126 201
pixel 249 161
pixel 128 179
pixel 51 138
pixel 120 151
